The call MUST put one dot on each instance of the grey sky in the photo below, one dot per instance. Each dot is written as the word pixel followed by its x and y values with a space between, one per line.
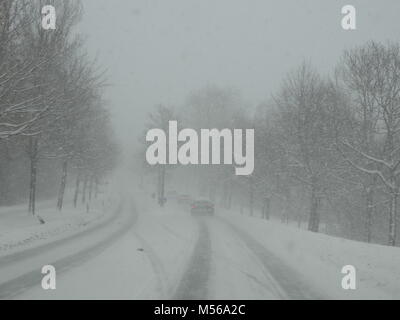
pixel 157 51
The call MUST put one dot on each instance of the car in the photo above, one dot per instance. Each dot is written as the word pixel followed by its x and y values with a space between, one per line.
pixel 202 207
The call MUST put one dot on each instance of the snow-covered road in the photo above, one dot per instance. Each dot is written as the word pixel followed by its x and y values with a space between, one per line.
pixel 144 252
pixel 21 270
pixel 228 263
pixel 169 256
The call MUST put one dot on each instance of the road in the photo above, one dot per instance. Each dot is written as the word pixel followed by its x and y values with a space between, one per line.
pixel 228 263
pixel 171 256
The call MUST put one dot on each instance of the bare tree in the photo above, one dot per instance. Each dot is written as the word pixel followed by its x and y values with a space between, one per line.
pixel 372 72
pixel 303 122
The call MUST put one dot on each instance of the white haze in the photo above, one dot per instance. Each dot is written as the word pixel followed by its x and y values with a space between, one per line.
pixel 158 51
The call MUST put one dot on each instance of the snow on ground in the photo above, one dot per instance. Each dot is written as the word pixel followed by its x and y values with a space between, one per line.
pixel 320 258
pixel 168 254
pixel 150 263
pixel 146 263
pixel 19 230
pixel 237 273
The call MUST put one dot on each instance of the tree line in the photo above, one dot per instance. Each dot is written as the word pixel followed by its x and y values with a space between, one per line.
pixel 327 147
pixel 53 119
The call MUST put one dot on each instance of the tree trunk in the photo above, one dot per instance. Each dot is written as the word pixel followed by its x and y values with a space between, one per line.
pixel 392 218
pixel 287 206
pixel 266 208
pixel 90 187
pixel 33 144
pixel 96 189
pixel 313 222
pixel 78 181
pixel 85 182
pixel 369 193
pixel 62 185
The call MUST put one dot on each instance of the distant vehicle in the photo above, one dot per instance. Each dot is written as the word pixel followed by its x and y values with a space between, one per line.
pixel 202 207
pixel 185 199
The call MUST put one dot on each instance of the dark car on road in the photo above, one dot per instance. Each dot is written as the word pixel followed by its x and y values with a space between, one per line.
pixel 202 207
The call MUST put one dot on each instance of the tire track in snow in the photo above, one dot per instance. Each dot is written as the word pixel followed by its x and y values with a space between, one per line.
pixel 157 265
pixel 234 260
pixel 16 286
pixel 293 285
pixel 194 282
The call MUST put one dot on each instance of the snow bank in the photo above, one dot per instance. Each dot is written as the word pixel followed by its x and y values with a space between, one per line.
pixel 20 231
pixel 320 258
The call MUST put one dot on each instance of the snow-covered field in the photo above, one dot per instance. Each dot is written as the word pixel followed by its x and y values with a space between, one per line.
pixel 154 253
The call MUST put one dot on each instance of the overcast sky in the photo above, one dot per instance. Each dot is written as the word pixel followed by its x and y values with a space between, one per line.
pixel 157 51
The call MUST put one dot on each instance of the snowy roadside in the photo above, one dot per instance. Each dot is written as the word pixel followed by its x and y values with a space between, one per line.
pixel 319 258
pixel 20 231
